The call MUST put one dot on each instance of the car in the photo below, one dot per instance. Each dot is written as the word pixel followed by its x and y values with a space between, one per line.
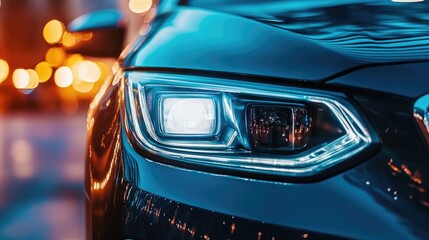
pixel 245 119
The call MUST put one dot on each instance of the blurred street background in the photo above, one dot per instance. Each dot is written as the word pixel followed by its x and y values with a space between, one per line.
pixel 41 176
pixel 44 96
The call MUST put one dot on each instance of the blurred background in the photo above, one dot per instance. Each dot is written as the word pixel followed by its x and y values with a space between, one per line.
pixel 44 96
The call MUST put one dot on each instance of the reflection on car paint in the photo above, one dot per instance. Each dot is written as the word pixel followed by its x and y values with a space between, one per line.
pixel 369 30
pixel 389 190
pixel 149 216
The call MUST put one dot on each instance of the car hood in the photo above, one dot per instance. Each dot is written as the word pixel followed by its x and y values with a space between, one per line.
pixel 369 30
pixel 305 42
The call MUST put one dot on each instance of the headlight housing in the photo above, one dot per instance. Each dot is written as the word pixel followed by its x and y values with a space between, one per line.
pixel 241 126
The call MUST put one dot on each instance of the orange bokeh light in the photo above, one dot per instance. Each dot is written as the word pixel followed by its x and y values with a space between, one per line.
pixel 55 56
pixel 53 31
pixel 4 70
pixel 73 59
pixel 34 79
pixel 81 86
pixel 68 40
pixel 87 71
pixel 44 71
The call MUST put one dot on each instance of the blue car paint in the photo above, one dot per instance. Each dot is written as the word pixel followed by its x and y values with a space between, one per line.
pixel 390 79
pixel 325 206
pixel 109 18
pixel 384 197
pixel 226 43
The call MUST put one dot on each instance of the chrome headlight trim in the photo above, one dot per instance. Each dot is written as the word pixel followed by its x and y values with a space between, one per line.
pixel 140 126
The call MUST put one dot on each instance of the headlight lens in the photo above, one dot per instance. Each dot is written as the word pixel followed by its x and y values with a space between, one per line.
pixel 278 127
pixel 243 126
pixel 188 116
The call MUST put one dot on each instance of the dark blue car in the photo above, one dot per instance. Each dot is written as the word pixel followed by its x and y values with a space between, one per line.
pixel 274 119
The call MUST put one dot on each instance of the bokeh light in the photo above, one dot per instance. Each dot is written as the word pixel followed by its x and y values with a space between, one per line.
pixel 73 59
pixel 34 79
pixel 63 77
pixel 87 71
pixel 82 86
pixel 105 70
pixel 55 56
pixel 44 71
pixel 84 36
pixel 53 31
pixel 68 40
pixel 4 70
pixel 140 6
pixel 70 72
pixel 21 78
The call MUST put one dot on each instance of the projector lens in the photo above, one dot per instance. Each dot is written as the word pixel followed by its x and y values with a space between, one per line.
pixel 188 116
pixel 278 127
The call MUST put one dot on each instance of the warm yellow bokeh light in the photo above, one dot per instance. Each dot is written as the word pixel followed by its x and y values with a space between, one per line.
pixel 55 56
pixel 21 78
pixel 87 71
pixel 34 79
pixel 140 6
pixel 82 87
pixel 105 70
pixel 63 77
pixel 73 59
pixel 69 40
pixel 44 71
pixel 84 36
pixel 4 70
pixel 53 31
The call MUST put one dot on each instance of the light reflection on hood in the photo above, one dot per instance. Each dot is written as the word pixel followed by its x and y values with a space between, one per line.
pixel 375 31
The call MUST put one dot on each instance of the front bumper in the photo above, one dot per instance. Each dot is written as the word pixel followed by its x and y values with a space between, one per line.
pixel 148 216
pixel 165 202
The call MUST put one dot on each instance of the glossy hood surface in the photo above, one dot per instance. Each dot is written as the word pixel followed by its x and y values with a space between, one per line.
pixel 371 30
pixel 299 40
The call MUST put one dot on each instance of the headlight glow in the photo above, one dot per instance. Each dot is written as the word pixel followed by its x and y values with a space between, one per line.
pixel 241 126
pixel 188 116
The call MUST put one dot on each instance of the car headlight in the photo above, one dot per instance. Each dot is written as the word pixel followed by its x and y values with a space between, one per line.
pixel 241 126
